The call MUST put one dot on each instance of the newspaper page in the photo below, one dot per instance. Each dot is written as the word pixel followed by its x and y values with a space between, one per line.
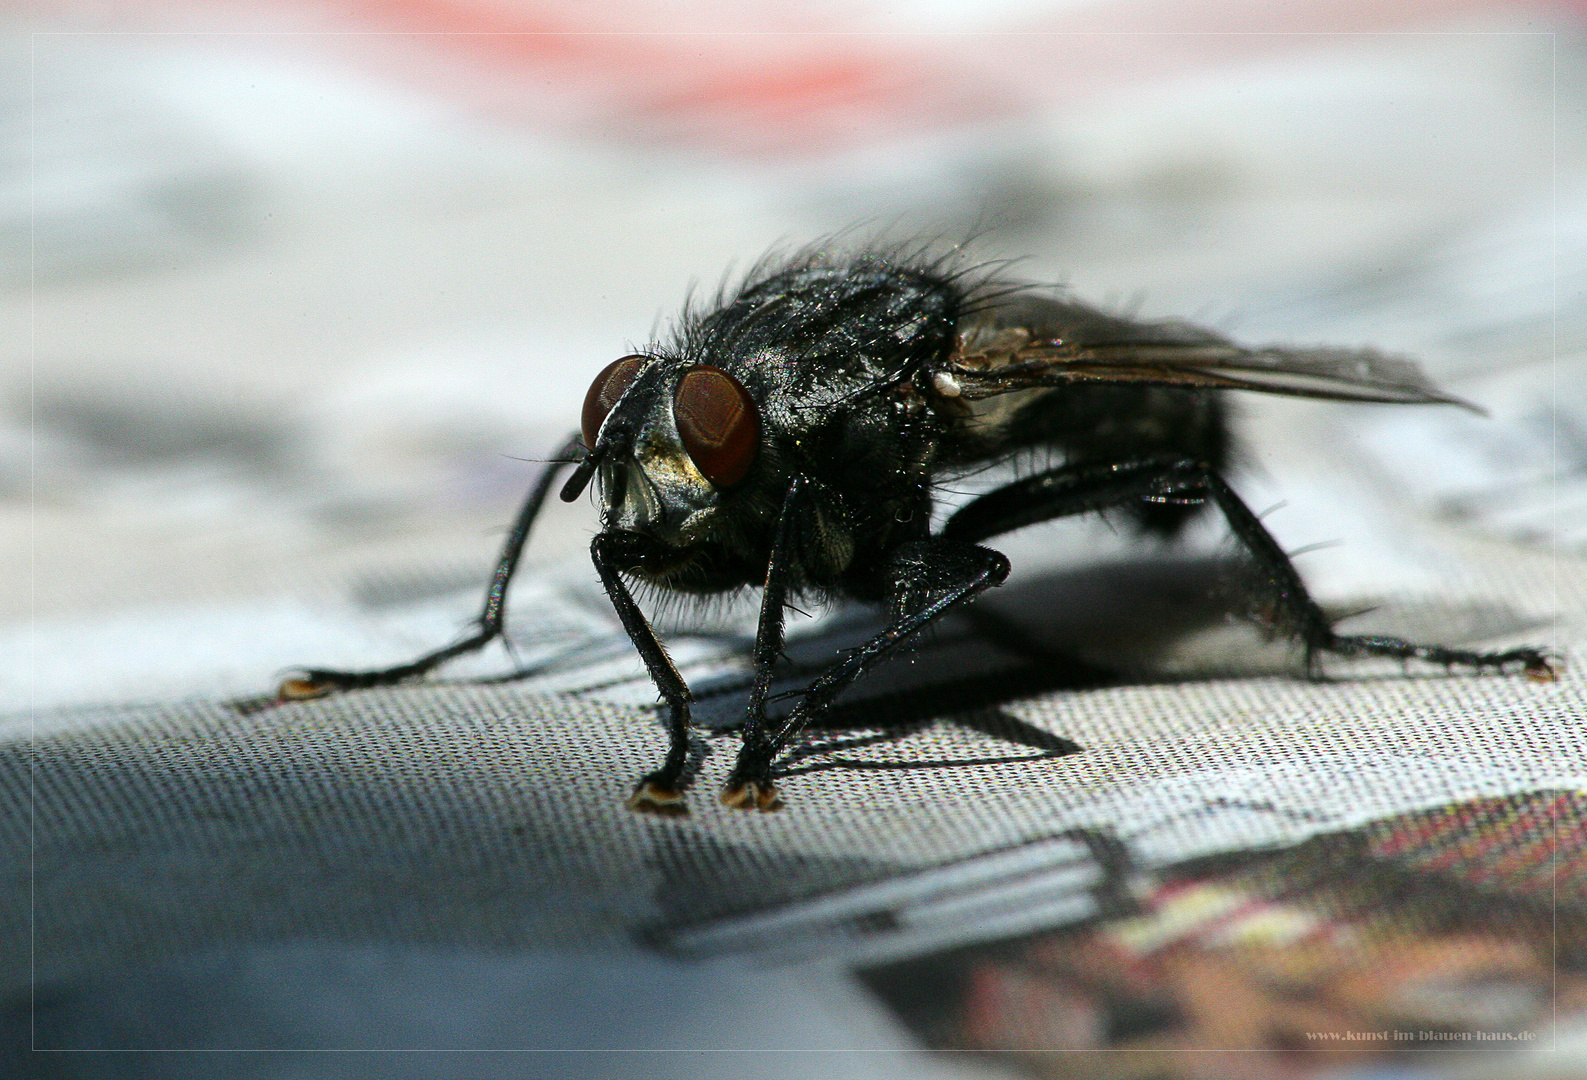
pixel 1099 823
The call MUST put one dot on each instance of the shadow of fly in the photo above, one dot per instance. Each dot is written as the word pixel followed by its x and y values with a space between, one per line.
pixel 793 433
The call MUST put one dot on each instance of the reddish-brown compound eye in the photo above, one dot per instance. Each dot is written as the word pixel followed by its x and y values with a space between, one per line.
pixel 718 424
pixel 604 392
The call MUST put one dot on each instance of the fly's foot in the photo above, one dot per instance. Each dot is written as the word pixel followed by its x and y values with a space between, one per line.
pixel 1539 670
pixel 657 795
pixel 751 795
pixel 1536 666
pixel 307 687
pixel 318 682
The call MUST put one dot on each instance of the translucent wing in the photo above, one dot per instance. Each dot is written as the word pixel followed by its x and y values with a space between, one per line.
pixel 1031 341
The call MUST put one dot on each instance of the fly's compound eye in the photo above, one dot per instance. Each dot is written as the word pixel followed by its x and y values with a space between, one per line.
pixel 604 392
pixel 718 423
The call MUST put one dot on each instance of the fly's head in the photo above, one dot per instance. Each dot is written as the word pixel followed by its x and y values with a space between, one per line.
pixel 670 441
pixel 803 372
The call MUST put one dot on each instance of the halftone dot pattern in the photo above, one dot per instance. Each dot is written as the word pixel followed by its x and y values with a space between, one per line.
pixel 1534 846
pixel 494 816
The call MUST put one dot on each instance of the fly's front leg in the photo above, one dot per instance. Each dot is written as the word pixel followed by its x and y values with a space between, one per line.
pixel 927 577
pixel 1079 489
pixel 316 682
pixel 751 791
pixel 661 792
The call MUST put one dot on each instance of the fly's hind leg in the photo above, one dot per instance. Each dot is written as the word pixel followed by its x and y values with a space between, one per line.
pixel 1079 489
pixel 316 682
pixel 1314 630
pixel 926 577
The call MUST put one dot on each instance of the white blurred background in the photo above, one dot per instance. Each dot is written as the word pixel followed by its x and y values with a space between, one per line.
pixel 291 291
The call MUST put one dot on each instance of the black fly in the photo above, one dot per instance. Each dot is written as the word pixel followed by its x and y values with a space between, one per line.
pixel 790 438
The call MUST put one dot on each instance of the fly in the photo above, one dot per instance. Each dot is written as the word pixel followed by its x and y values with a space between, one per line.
pixel 792 436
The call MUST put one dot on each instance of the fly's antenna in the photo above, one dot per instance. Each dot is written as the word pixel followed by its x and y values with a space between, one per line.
pixel 581 476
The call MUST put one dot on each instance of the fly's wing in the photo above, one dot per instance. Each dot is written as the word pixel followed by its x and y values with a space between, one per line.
pixel 1032 341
